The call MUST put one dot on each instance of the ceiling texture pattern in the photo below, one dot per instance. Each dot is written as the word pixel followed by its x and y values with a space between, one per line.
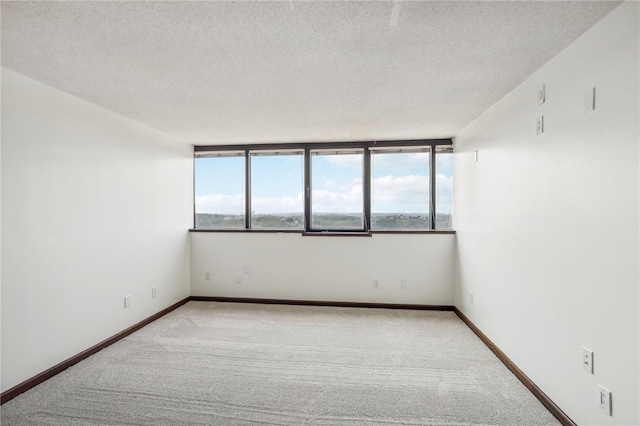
pixel 252 72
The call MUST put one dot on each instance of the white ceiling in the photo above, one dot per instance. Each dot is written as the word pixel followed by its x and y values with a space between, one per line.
pixel 247 72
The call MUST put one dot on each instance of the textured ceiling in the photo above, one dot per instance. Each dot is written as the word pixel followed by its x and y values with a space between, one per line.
pixel 235 72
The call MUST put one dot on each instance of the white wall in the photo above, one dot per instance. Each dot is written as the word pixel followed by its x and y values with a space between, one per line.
pixel 548 226
pixel 94 206
pixel 292 266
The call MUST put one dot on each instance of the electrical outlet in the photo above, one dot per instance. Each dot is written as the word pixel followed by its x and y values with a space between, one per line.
pixel 239 279
pixel 404 284
pixel 375 283
pixel 540 125
pixel 587 359
pixel 127 301
pixel 154 292
pixel 541 98
pixel 207 276
pixel 605 400
pixel 246 269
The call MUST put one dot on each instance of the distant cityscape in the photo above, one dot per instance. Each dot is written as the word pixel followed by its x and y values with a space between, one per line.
pixel 379 221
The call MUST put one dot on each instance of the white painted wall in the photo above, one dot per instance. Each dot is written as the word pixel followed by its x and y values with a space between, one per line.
pixel 548 226
pixel 292 266
pixel 94 206
pixel 0 233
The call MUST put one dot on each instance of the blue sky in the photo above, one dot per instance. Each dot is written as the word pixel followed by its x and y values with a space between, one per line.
pixel 399 183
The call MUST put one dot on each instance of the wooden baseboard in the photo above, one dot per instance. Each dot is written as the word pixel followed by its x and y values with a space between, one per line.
pixel 535 390
pixel 324 303
pixel 47 374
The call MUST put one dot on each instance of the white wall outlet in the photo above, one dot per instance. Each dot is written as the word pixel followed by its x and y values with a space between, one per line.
pixel 471 298
pixel 605 400
pixel 404 284
pixel 246 269
pixel 154 292
pixel 540 125
pixel 541 95
pixel 589 99
pixel 375 283
pixel 239 279
pixel 207 276
pixel 127 301
pixel 587 359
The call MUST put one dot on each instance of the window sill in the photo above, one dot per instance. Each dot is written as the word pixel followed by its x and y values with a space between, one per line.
pixel 250 231
pixel 325 233
pixel 336 234
pixel 407 231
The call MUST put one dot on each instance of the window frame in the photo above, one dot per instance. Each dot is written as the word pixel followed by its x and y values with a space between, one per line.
pixel 252 153
pixel 238 153
pixel 309 190
pixel 400 150
pixel 435 146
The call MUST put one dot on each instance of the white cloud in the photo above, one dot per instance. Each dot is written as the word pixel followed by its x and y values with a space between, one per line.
pixel 400 194
pixel 220 203
pixel 345 198
pixel 329 183
pixel 345 160
pixel 282 204
pixel 234 204
pixel 400 160
pixel 336 202
pixel 410 194
pixel 397 194
pixel 444 161
pixel 444 193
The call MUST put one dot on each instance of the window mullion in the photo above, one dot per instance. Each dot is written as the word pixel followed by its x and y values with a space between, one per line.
pixel 432 188
pixel 247 190
pixel 307 189
pixel 195 215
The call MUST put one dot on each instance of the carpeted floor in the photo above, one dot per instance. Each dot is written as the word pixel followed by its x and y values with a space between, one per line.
pixel 240 364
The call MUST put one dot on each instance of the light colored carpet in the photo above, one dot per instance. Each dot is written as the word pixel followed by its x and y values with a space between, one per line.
pixel 240 364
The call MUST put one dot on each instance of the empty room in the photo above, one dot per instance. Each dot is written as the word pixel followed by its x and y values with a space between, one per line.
pixel 320 212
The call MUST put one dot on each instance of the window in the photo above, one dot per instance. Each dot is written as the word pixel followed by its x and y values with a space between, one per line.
pixel 348 187
pixel 400 189
pixel 337 200
pixel 219 191
pixel 277 182
pixel 444 188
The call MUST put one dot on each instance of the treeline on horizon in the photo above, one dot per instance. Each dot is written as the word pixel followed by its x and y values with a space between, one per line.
pixel 380 221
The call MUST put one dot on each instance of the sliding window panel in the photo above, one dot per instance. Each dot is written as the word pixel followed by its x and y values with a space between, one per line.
pixel 337 197
pixel 444 188
pixel 277 196
pixel 400 189
pixel 219 183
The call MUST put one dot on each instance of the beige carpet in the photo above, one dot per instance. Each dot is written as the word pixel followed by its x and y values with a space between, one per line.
pixel 240 364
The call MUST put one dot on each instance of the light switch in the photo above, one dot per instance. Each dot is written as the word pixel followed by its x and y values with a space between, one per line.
pixel 540 125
